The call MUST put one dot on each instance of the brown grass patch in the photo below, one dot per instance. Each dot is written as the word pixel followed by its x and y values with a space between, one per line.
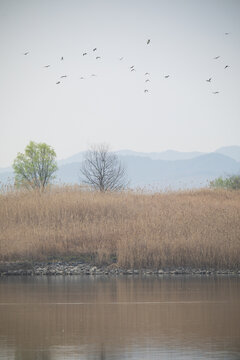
pixel 192 228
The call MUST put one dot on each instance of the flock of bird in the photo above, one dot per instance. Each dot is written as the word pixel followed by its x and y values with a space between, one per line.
pixel 132 68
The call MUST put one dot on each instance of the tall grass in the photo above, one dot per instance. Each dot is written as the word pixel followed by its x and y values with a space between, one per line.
pixel 198 228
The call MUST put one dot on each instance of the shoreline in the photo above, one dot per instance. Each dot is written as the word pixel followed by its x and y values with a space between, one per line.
pixel 85 269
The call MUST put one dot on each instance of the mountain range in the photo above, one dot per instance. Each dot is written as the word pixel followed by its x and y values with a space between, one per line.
pixel 158 170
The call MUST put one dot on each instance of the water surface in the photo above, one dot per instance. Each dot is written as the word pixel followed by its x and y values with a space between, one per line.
pixel 74 317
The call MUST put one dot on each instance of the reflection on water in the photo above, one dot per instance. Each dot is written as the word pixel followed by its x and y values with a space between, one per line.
pixel 50 318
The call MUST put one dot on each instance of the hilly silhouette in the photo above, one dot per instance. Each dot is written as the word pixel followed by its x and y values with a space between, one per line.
pixel 179 174
pixel 231 151
pixel 162 170
pixel 170 155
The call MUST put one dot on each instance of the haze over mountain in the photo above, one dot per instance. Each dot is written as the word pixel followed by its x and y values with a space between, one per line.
pixel 170 155
pixel 175 174
pixel 179 174
pixel 167 169
pixel 231 151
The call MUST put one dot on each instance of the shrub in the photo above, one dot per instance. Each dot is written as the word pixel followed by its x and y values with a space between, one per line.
pixel 231 182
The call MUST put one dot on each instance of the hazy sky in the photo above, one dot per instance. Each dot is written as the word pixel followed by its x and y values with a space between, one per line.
pixel 179 112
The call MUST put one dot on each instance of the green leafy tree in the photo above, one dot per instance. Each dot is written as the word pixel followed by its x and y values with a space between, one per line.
pixel 35 168
pixel 231 182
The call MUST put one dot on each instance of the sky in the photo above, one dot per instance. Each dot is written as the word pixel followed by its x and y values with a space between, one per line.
pixel 180 112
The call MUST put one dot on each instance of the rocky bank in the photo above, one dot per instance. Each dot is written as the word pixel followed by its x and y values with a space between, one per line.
pixel 81 268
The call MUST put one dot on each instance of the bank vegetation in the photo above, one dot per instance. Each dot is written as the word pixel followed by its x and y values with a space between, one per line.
pixel 199 228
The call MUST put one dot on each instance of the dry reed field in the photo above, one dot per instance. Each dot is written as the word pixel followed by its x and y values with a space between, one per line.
pixel 198 228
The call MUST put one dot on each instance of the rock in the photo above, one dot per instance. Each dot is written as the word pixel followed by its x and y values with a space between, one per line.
pixel 79 268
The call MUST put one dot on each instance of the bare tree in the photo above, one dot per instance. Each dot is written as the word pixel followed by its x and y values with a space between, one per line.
pixel 103 170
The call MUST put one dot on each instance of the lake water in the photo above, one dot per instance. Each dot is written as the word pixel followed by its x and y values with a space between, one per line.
pixel 74 317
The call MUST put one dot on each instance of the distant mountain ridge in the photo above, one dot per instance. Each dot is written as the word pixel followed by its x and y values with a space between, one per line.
pixel 190 173
pixel 231 151
pixel 168 169
pixel 168 155
pixel 179 174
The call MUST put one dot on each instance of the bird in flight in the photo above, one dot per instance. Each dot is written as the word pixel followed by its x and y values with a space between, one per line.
pixel 215 92
pixel 84 54
pixel 226 66
pixel 148 42
pixel 145 90
pixel 227 33
pixel 209 80
pixel 217 57
pixel 47 66
pixel 82 78
pixel 58 82
pixel 26 53
pixel 147 73
pixel 147 80
pixel 131 67
pixel 63 76
pixel 94 49
pixel 62 58
pixel 166 76
pixel 98 57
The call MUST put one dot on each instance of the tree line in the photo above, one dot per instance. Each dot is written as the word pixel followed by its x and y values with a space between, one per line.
pixel 101 169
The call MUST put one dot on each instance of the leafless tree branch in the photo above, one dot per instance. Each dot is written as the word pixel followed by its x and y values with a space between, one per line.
pixel 103 170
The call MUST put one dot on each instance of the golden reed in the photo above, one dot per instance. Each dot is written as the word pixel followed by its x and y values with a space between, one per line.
pixel 199 228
